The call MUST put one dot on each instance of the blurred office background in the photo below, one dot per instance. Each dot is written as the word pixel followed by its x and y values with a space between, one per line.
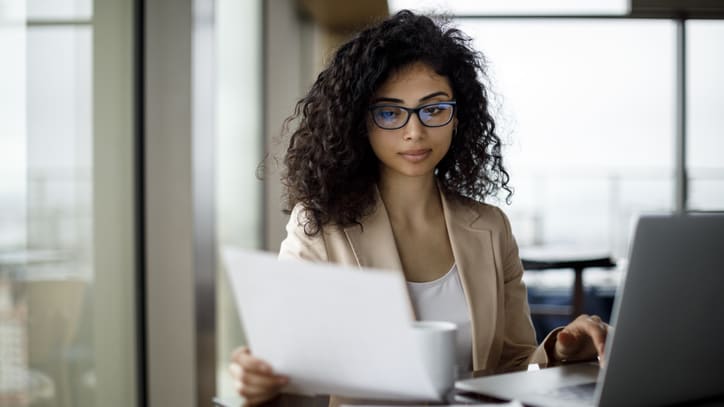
pixel 131 133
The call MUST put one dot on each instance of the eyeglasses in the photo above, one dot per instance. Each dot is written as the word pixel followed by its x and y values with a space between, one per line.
pixel 393 117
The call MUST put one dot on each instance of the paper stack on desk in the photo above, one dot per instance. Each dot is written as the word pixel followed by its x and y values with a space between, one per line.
pixel 332 330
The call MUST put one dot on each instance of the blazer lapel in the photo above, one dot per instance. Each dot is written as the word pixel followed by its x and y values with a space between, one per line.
pixel 472 248
pixel 373 244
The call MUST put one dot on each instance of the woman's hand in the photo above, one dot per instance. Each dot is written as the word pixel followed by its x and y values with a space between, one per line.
pixel 254 378
pixel 582 339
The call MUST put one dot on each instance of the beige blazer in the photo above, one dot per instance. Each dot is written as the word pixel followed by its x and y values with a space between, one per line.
pixel 487 258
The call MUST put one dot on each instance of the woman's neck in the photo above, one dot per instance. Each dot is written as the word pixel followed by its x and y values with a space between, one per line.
pixel 409 199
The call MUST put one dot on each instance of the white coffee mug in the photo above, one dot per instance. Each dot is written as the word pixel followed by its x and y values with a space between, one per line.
pixel 436 342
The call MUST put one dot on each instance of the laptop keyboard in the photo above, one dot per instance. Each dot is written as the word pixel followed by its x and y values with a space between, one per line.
pixel 577 392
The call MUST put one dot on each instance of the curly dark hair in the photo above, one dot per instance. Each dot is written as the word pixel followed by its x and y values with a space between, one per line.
pixel 330 166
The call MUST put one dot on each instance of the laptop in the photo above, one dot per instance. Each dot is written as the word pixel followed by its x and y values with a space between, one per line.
pixel 667 344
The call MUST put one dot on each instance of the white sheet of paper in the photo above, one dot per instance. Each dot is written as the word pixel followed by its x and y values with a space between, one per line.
pixel 332 330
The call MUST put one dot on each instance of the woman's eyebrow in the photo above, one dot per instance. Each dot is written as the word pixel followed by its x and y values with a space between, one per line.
pixel 392 100
pixel 432 95
pixel 422 99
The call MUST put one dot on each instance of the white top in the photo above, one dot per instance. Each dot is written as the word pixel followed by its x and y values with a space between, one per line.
pixel 444 300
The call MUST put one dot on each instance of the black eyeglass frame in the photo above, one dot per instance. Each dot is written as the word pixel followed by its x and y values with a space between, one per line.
pixel 416 111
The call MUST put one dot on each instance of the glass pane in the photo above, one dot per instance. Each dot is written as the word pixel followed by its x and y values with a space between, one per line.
pixel 13 202
pixel 50 234
pixel 59 9
pixel 705 124
pixel 587 108
pixel 12 127
pixel 54 284
pixel 238 152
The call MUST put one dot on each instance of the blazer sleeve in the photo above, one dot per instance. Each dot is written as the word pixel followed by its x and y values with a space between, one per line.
pixel 519 344
pixel 300 246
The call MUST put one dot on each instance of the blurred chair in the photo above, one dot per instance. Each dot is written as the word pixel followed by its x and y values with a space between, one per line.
pixel 547 258
pixel 54 309
pixel 19 385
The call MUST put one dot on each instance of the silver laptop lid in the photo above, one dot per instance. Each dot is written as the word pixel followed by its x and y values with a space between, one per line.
pixel 668 344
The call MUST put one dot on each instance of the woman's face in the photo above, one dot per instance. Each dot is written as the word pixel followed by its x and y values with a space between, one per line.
pixel 413 150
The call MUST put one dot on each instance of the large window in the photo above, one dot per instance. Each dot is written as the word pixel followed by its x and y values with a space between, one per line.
pixel 588 111
pixel 239 150
pixel 705 121
pixel 67 322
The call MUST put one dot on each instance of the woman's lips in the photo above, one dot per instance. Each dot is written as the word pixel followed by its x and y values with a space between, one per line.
pixel 415 155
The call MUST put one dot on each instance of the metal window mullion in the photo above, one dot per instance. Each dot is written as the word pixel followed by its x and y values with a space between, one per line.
pixel 203 183
pixel 139 106
pixel 680 169
pixel 179 192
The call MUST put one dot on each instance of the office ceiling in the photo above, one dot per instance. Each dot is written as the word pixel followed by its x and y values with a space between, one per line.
pixel 678 8
pixel 345 15
pixel 338 15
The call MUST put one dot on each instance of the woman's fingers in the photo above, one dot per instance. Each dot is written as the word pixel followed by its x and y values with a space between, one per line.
pixel 243 358
pixel 597 330
pixel 253 378
pixel 235 371
pixel 584 338
pixel 256 389
pixel 569 344
pixel 262 381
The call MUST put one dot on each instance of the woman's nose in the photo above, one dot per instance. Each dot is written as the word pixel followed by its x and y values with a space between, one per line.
pixel 414 129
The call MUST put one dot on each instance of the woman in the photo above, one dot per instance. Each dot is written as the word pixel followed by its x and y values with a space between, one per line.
pixel 394 154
